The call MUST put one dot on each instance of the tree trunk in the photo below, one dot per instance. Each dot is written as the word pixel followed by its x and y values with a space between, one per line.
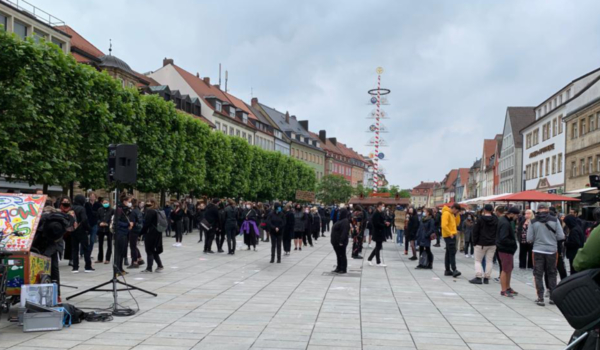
pixel 45 189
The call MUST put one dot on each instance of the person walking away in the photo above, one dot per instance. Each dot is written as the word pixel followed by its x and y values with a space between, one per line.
pixel 191 213
pixel 315 224
pixel 211 215
pixel 300 219
pixel 450 220
pixel 231 227
pixel 200 208
pixel 525 253
pixel 134 235
pixel 220 233
pixel 378 234
pixel 411 232
pixel 249 226
pixel 168 209
pixel 91 210
pixel 506 244
pixel 574 241
pixel 122 224
pixel 544 232
pixel 484 240
pixel 468 234
pixel 357 229
pixel 81 235
pixel 588 257
pixel 105 214
pixel 307 237
pixel 177 221
pixel 424 233
pixel 155 223
pixel 276 227
pixel 437 215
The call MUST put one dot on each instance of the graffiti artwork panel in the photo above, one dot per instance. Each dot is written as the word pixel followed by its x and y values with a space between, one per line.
pixel 19 218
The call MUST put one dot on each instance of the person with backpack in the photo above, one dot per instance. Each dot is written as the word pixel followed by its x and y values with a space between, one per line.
pixel 105 214
pixel 134 235
pixel 155 224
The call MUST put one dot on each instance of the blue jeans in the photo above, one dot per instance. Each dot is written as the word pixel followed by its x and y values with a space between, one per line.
pixel 399 236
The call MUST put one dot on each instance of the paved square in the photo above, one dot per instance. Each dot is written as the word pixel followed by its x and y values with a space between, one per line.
pixel 241 302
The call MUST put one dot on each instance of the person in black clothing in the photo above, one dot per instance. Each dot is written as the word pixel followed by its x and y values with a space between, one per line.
pixel 357 229
pixel 411 233
pixel 575 239
pixel 211 215
pixel 105 214
pixel 122 224
pixel 91 208
pixel 426 229
pixel 250 226
pixel 167 209
pixel 506 246
pixel 191 213
pixel 134 235
pixel 199 216
pixel 300 219
pixel 220 233
pixel 437 215
pixel 307 237
pixel 231 225
pixel 525 248
pixel 153 244
pixel 276 227
pixel 325 221
pixel 378 234
pixel 315 224
pixel 81 236
pixel 484 241
pixel 288 232
pixel 339 240
pixel 177 221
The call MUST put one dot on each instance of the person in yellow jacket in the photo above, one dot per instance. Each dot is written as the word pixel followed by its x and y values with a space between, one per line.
pixel 450 220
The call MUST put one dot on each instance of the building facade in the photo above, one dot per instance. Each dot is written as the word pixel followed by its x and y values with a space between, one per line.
pixel 25 23
pixel 461 190
pixel 582 115
pixel 474 180
pixel 336 162
pixel 488 162
pixel 448 186
pixel 544 139
pixel 510 165
pixel 422 195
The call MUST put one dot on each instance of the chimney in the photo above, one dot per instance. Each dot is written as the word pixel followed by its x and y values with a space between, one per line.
pixel 254 102
pixel 218 86
pixel 304 124
pixel 323 136
pixel 333 140
pixel 167 61
pixel 294 117
pixel 197 75
pixel 207 80
pixel 287 117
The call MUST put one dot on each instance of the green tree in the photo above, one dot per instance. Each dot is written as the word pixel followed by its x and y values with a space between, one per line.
pixel 241 167
pixel 219 164
pixel 334 189
pixel 361 190
pixel 404 194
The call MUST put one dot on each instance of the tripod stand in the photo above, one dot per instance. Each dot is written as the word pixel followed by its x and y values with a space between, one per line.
pixel 115 282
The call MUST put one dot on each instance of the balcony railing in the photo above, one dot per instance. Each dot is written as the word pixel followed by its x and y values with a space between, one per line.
pixel 36 12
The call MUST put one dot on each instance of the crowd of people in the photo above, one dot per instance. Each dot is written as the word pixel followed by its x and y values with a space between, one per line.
pixel 490 236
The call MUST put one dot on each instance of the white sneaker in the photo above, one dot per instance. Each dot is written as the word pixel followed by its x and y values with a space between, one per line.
pixel 466 255
pixel 369 245
pixel 382 265
pixel 471 256
pixel 370 263
pixel 175 244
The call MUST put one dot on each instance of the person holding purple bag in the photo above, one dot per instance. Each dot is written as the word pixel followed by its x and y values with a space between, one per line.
pixel 249 227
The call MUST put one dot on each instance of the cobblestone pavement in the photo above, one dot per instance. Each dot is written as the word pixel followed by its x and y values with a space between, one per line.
pixel 244 302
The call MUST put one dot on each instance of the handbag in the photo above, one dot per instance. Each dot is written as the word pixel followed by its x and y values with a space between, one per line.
pixel 433 237
pixel 424 260
pixel 205 225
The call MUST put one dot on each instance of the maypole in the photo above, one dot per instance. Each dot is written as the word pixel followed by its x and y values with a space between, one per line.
pixel 377 141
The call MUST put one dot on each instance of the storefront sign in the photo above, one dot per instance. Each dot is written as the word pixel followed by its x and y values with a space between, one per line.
pixel 541 150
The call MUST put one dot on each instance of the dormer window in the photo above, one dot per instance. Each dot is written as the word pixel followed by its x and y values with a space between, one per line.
pixel 245 117
pixel 278 134
pixel 318 144
pixel 232 111
pixel 218 106
pixel 301 138
pixel 293 135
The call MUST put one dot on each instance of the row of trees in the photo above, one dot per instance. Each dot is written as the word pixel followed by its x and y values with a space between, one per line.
pixel 57 118
pixel 335 189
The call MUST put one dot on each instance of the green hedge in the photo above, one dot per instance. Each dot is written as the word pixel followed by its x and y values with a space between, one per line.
pixel 57 118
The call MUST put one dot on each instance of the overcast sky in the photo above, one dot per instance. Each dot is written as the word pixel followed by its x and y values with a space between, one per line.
pixel 453 66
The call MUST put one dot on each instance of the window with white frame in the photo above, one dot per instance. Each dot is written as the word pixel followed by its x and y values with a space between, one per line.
pixel 559 162
pixel 232 111
pixel 218 106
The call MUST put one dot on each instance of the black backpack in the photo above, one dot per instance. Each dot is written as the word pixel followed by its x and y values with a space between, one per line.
pixel 578 299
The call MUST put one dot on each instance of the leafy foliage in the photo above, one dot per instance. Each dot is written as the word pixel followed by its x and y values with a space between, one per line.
pixel 334 189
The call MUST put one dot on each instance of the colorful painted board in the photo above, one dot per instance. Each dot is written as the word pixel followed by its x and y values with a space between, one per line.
pixel 25 268
pixel 19 214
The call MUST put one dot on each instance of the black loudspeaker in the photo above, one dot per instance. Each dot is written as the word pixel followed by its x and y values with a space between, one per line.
pixel 122 164
pixel 595 181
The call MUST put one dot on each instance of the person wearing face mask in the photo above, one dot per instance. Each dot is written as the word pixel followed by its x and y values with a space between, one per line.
pixel 357 229
pixel 426 229
pixel 300 219
pixel 288 231
pixel 307 237
pixel 379 226
pixel 506 246
pixel 339 241
pixel 105 214
pixel 122 225
pixel 177 220
pixel 249 226
pixel 276 226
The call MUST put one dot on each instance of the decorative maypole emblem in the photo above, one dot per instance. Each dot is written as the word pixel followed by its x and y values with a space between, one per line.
pixel 377 98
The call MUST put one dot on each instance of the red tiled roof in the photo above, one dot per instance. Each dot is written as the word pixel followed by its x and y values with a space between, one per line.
pixel 240 104
pixel 451 178
pixel 464 175
pixel 81 43
pixel 489 148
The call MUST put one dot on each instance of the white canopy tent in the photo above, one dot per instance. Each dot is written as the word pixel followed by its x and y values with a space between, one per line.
pixel 483 200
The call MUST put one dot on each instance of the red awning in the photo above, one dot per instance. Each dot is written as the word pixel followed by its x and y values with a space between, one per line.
pixel 534 196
